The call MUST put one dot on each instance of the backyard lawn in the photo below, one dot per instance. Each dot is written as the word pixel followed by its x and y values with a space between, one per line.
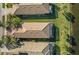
pixel 63 26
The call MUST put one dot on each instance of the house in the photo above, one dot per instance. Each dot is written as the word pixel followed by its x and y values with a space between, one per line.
pixel 34 30
pixel 32 48
pixel 33 9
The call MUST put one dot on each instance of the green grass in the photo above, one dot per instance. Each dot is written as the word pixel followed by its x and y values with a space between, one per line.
pixel 64 28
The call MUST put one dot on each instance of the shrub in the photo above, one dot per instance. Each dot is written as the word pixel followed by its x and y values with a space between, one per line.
pixel 3 5
pixel 0 43
pixel 9 5
pixel 9 42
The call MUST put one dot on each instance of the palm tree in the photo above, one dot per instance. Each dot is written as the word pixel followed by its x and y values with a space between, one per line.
pixel 9 42
pixel 10 22
pixel 17 22
pixel 13 22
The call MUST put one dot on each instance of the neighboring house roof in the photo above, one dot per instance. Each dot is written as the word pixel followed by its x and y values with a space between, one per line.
pixel 32 9
pixel 30 3
pixel 31 47
pixel 33 30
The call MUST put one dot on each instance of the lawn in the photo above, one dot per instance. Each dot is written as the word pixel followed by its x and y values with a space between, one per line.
pixel 63 26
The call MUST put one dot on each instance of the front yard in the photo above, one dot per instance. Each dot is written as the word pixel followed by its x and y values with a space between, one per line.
pixel 63 26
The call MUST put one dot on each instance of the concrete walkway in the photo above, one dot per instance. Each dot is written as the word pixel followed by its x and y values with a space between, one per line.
pixel 1 29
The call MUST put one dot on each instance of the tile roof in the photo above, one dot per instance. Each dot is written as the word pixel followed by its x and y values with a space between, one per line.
pixel 33 30
pixel 34 25
pixel 32 9
pixel 31 47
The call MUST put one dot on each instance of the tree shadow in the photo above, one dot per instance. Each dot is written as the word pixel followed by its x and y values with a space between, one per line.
pixel 72 41
pixel 69 16
pixel 72 51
